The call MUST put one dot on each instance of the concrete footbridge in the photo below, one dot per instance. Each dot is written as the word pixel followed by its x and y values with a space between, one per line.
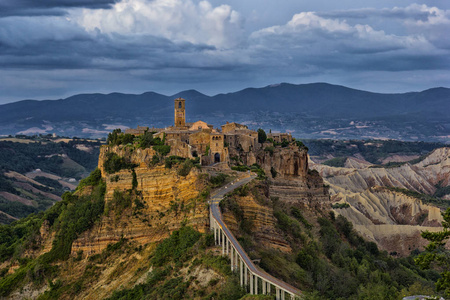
pixel 252 278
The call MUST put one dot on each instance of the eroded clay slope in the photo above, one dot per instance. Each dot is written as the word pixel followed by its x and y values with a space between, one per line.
pixel 392 219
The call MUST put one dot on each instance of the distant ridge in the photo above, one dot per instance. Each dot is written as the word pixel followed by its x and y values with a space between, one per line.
pixel 306 101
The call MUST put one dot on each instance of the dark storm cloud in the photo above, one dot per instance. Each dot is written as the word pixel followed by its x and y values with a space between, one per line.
pixel 109 52
pixel 194 44
pixel 47 7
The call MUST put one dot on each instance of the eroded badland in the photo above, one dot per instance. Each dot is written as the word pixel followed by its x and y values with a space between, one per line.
pixel 152 182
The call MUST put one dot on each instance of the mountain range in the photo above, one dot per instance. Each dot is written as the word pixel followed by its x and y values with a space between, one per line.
pixel 317 110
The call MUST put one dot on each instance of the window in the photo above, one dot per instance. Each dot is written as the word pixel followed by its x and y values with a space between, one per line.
pixel 179 104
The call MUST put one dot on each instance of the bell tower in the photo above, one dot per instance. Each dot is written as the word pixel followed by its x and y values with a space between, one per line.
pixel 180 112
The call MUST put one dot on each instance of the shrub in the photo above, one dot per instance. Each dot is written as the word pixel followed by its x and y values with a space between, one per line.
pixel 299 216
pixel 185 168
pixel 115 163
pixel 336 162
pixel 162 149
pixel 93 179
pixel 116 137
pixel 176 247
pixel 172 160
pixel 270 149
pixel 134 182
pixel 240 168
pixel 120 201
pixel 340 205
pixel 218 180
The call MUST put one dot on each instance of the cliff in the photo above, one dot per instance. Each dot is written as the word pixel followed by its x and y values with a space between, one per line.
pixel 290 161
pixel 161 202
pixel 251 213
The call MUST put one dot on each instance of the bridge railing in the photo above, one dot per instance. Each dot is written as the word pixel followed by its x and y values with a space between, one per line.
pixel 251 277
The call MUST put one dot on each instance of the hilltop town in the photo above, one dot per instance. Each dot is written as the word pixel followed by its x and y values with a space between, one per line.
pixel 232 144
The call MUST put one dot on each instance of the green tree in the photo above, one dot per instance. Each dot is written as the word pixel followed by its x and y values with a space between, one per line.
pixel 134 182
pixel 112 137
pixel 262 136
pixel 146 140
pixel 437 255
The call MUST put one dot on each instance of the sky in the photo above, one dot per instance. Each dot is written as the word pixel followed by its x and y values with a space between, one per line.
pixel 51 49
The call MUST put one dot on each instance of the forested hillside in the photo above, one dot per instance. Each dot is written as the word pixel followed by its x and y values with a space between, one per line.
pixel 317 110
pixel 36 171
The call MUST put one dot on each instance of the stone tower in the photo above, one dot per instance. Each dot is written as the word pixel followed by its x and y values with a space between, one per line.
pixel 180 112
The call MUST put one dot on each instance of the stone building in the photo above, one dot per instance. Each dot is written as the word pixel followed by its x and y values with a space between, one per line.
pixel 140 130
pixel 200 139
pixel 229 127
pixel 280 136
pixel 180 113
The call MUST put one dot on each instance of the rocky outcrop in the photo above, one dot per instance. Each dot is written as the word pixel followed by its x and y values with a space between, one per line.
pixel 162 202
pixel 290 161
pixel 261 221
pixel 287 161
pixel 309 191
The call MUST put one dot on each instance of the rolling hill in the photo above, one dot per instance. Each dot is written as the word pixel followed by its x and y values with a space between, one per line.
pixel 315 110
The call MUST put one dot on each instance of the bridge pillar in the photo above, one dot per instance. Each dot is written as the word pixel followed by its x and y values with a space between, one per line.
pixel 268 288
pixel 277 293
pixel 236 258
pixel 251 284
pixel 232 259
pixel 215 233
pixel 264 286
pixel 256 285
pixel 227 241
pixel 241 272
pixel 223 243
pixel 211 221
pixel 245 277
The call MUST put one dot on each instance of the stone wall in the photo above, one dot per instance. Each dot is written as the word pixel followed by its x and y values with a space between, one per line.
pixel 200 140
pixel 230 127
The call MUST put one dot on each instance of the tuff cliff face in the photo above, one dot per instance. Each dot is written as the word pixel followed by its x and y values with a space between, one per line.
pixel 288 161
pixel 161 202
pixel 289 184
pixel 292 182
pixel 308 192
pixel 254 207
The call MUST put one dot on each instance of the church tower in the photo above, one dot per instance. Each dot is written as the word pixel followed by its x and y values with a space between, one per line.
pixel 180 112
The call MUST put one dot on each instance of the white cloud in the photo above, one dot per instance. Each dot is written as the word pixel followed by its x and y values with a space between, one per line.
pixel 307 29
pixel 177 20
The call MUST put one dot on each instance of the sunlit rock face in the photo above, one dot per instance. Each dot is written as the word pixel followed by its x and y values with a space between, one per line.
pixel 162 202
